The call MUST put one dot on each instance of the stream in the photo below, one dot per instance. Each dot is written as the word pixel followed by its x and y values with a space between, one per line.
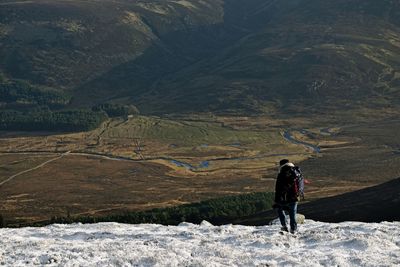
pixel 202 165
pixel 289 137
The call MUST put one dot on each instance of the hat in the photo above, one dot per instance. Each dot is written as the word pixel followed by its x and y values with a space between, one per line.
pixel 283 162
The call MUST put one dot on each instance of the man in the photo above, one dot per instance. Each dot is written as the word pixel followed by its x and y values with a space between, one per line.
pixel 286 194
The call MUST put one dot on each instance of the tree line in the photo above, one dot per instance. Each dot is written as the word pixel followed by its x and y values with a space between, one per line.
pixel 47 120
pixel 116 110
pixel 20 93
pixel 25 107
pixel 216 211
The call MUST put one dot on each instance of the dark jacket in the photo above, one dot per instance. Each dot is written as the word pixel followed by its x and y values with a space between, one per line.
pixel 284 188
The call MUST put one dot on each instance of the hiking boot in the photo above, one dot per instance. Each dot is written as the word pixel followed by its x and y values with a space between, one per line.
pixel 284 229
pixel 292 231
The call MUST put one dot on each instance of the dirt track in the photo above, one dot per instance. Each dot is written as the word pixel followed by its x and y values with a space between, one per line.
pixel 32 169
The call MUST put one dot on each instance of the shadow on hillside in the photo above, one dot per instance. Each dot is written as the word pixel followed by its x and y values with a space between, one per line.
pixel 373 204
pixel 139 80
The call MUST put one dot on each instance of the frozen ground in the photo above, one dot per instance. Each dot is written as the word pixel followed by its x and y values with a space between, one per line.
pixel 113 244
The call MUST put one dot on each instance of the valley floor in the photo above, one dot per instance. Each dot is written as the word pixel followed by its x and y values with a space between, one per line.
pixel 112 244
pixel 146 162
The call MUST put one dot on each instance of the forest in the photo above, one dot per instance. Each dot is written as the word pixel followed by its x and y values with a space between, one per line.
pixel 47 120
pixel 25 107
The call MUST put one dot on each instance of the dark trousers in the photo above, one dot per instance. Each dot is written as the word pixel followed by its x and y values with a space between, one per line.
pixel 292 214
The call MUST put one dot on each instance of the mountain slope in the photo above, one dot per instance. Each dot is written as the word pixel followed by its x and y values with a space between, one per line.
pixel 319 54
pixel 65 43
pixel 195 56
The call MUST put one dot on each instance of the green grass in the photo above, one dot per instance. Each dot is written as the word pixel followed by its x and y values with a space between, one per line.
pixel 187 132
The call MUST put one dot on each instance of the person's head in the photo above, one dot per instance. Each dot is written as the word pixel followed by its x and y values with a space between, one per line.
pixel 283 162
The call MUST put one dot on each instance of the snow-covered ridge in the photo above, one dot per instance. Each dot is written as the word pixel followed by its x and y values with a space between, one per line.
pixel 113 244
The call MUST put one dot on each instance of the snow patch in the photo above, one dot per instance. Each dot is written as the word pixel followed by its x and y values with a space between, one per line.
pixel 113 244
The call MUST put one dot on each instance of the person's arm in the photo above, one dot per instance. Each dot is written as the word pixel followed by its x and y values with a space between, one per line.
pixel 278 189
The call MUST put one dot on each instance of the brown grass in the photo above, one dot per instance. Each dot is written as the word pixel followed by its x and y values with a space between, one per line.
pixel 83 185
pixel 78 183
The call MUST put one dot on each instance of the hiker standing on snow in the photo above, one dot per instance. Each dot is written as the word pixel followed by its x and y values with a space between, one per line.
pixel 288 193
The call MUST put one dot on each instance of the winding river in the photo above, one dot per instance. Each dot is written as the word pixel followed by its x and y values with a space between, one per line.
pixel 289 137
pixel 286 134
pixel 204 164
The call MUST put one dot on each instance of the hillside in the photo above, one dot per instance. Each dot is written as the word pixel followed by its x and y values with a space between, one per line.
pixel 67 43
pixel 322 55
pixel 372 204
pixel 220 56
pixel 112 244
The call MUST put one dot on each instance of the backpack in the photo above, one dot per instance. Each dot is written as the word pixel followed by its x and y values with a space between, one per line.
pixel 298 183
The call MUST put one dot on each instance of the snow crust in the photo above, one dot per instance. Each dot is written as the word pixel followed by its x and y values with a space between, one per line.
pixel 113 244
